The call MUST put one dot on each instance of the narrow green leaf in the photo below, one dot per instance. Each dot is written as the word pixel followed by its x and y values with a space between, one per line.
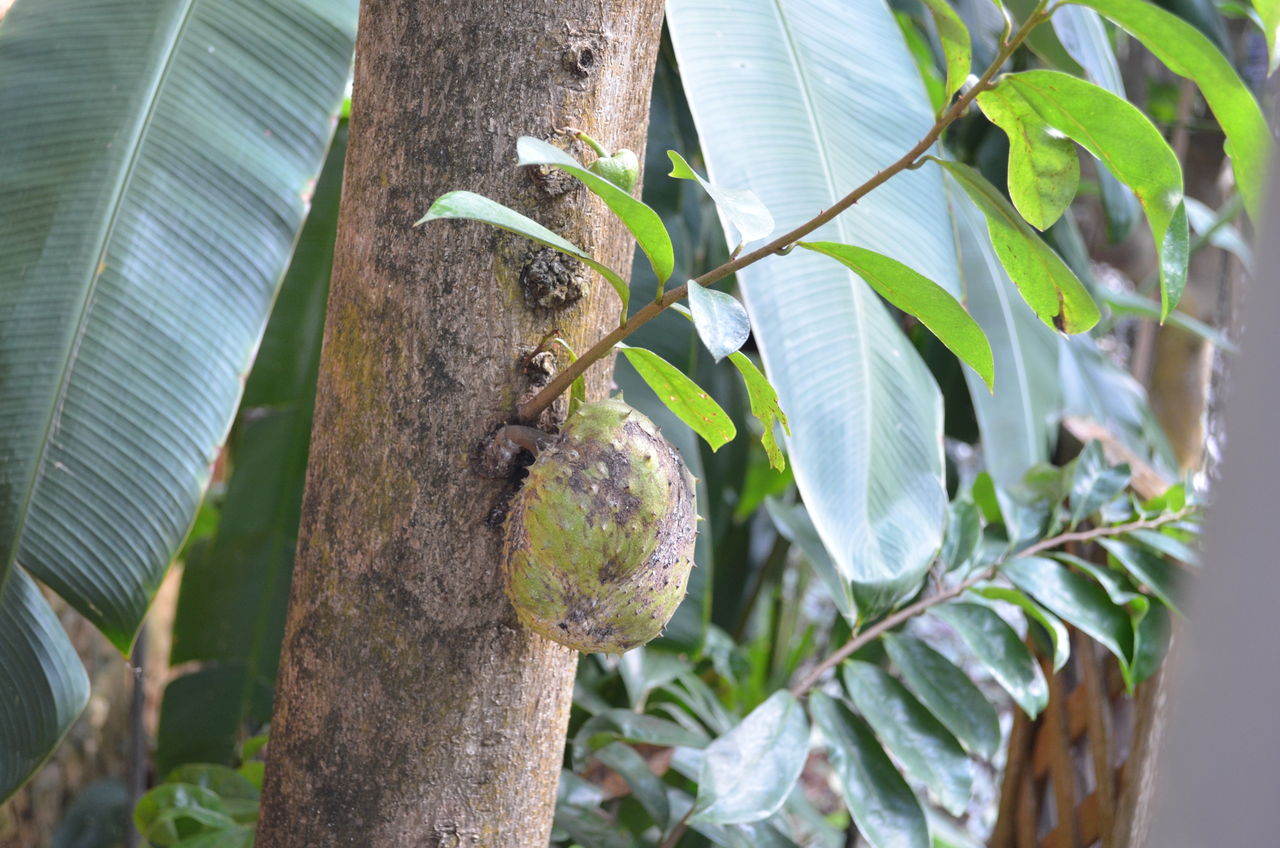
pixel 747 773
pixel 962 535
pixel 917 295
pixel 1151 643
pixel 475 207
pixel 764 406
pixel 1148 568
pixel 1187 52
pixel 1119 588
pixel 628 726
pixel 1094 482
pixel 45 686
pixel 682 396
pixel 948 693
pixel 642 221
pixel 1133 303
pixel 886 811
pixel 1167 545
pixel 1059 638
pixel 719 318
pixel 740 206
pixel 1045 281
pixel 645 785
pixel 1000 649
pixel 1269 16
pixel 956 48
pixel 928 751
pixel 1078 600
pixel 1044 170
pixel 1134 151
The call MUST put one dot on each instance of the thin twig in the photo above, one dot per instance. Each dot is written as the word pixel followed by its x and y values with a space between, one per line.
pixel 530 410
pixel 678 831
pixel 908 612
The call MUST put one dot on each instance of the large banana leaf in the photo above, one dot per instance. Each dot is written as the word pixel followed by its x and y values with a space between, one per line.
pixel 155 163
pixel 801 101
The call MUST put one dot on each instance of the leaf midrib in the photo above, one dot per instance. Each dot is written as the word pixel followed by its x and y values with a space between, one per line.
pixel 107 232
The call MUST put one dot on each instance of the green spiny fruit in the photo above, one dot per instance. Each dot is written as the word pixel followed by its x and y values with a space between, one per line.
pixel 599 539
pixel 622 169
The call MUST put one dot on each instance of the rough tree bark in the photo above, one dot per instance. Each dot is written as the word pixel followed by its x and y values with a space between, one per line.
pixel 411 707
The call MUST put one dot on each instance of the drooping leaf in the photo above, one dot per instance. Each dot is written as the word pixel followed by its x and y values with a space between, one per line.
pixel 682 396
pixel 809 83
pixel 947 692
pixel 721 321
pixel 1094 482
pixel 1000 649
pixel 1045 281
pixel 928 751
pixel 1269 15
pixel 1119 588
pixel 1086 39
pixel 1187 52
pixel 794 524
pixel 1059 638
pixel 1151 643
pixel 645 785
pixel 963 533
pixel 747 773
pixel 1132 303
pixel 45 683
pixel 886 811
pixel 627 726
pixel 740 207
pixel 1018 419
pixel 1044 170
pixel 764 406
pixel 1148 568
pixel 917 295
pixel 155 172
pixel 475 207
pixel 235 588
pixel 955 43
pixel 1167 545
pixel 1077 600
pixel 642 221
pixel 1134 151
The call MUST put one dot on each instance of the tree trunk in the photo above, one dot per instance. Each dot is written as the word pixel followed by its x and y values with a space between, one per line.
pixel 411 707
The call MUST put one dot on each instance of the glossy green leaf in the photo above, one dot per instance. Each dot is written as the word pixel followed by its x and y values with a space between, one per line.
pixel 645 785
pixel 1133 303
pixel 1151 643
pixel 1119 588
pixel 1076 599
pixel 747 773
pixel 1045 281
pixel 955 43
pixel 721 321
pixel 740 207
pixel 884 808
pixel 926 749
pixel 628 726
pixel 947 692
pixel 45 683
pixel 1148 568
pixel 682 396
pixel 916 295
pixel 811 83
pixel 1018 421
pixel 1001 650
pixel 171 810
pixel 764 406
pixel 474 207
pixel 964 532
pixel 1134 151
pixel 1269 16
pixel 1094 482
pixel 1059 638
pixel 794 524
pixel 154 177
pixel 642 221
pixel 1044 170
pixel 1187 52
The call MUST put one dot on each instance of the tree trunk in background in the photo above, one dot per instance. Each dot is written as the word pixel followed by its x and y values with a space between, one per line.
pixel 411 708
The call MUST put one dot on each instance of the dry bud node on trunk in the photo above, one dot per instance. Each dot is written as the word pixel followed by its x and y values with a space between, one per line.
pixel 599 539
